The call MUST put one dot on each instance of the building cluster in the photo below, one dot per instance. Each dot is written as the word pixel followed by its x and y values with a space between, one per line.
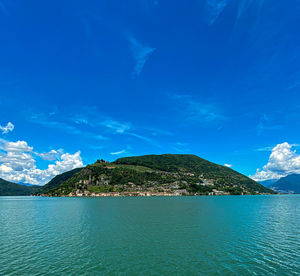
pixel 87 193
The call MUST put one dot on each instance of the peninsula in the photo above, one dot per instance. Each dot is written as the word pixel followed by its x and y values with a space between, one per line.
pixel 152 175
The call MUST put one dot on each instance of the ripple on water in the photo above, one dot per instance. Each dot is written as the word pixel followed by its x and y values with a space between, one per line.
pixel 150 236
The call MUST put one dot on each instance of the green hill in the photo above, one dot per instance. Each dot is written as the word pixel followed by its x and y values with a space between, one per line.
pixel 12 189
pixel 56 181
pixel 167 174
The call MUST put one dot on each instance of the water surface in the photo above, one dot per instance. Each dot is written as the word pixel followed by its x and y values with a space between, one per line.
pixel 225 235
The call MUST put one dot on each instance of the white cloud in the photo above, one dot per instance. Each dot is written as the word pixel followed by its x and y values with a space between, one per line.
pixel 283 161
pixel 118 152
pixel 141 54
pixel 5 168
pixel 67 162
pixel 19 146
pixel 228 165
pixel 17 163
pixel 9 127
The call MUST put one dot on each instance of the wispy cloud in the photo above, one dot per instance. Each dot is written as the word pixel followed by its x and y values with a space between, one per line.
pixel 157 132
pixel 9 127
pixel 140 54
pixel 203 112
pixel 195 111
pixel 141 137
pixel 181 144
pixel 81 121
pixel 270 148
pixel 266 123
pixel 181 147
pixel 116 126
pixel 118 152
pixel 294 85
pixel 49 120
pixel 51 155
pixel 98 137
pixel 213 9
pixel 84 124
pixel 265 149
pixel 228 165
pixel 245 4
pixel 126 128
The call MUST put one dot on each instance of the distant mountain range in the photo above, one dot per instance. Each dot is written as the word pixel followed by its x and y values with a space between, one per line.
pixel 268 183
pixel 167 174
pixel 289 184
pixel 12 189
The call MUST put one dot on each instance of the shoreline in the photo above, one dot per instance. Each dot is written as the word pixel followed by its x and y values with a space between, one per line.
pixel 150 195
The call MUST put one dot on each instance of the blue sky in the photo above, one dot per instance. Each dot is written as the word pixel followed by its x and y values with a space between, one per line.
pixel 219 79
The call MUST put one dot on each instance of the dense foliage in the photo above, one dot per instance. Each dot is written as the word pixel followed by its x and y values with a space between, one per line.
pixel 157 173
pixel 223 176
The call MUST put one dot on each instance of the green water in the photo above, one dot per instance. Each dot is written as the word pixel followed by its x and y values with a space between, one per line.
pixel 228 235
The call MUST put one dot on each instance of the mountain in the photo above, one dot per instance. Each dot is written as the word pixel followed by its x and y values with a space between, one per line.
pixel 167 174
pixel 56 181
pixel 26 184
pixel 289 184
pixel 12 189
pixel 268 183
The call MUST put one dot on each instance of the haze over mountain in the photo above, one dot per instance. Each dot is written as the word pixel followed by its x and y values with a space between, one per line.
pixel 268 183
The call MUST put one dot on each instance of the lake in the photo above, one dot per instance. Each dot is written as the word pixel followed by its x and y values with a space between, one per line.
pixel 225 235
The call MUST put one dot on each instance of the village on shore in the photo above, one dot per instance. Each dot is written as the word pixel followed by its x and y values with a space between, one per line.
pixel 135 194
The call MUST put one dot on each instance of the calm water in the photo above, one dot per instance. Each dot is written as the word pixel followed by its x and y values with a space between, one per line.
pixel 230 235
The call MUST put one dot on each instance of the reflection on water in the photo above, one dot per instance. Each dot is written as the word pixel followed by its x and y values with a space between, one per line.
pixel 238 235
